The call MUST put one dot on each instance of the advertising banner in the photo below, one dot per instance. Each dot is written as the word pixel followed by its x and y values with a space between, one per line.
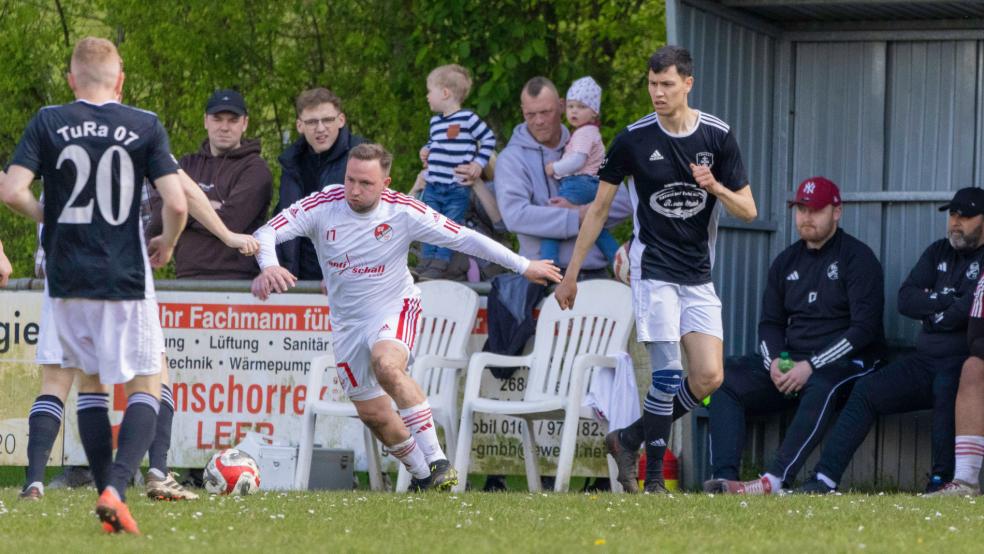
pixel 238 365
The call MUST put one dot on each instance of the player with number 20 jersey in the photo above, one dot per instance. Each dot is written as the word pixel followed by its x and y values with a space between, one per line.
pixel 93 159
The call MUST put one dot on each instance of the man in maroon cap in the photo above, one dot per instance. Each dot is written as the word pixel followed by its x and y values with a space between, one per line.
pixel 939 293
pixel 821 314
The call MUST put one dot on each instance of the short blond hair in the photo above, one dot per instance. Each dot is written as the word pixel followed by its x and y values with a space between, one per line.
pixel 96 62
pixel 453 77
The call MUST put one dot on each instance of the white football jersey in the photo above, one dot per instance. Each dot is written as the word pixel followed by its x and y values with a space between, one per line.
pixel 363 256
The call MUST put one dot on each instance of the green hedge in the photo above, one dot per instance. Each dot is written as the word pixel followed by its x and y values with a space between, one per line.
pixel 374 54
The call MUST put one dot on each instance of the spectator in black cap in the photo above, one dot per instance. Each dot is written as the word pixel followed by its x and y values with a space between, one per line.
pixel 938 293
pixel 237 182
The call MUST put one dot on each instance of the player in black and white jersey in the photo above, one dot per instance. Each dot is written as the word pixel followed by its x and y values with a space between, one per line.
pixel 92 156
pixel 682 166
pixel 362 233
pixel 46 413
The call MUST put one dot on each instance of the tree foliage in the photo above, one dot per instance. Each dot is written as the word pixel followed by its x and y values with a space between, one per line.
pixel 375 54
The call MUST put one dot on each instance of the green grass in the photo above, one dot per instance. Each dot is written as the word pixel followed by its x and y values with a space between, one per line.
pixel 504 522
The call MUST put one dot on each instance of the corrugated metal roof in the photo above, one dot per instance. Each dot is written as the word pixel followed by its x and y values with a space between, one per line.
pixel 837 10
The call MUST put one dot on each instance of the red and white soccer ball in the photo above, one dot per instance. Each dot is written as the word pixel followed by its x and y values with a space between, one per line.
pixel 620 265
pixel 232 471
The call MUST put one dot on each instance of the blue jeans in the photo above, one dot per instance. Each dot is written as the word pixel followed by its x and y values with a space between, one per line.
pixel 452 201
pixel 579 190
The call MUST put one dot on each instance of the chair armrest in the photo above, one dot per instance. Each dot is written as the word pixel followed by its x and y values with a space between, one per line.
pixel 430 361
pixel 586 361
pixel 582 364
pixel 481 360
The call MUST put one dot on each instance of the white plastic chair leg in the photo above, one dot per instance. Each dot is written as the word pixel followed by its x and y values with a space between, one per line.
pixel 462 456
pixel 372 459
pixel 302 472
pixel 568 445
pixel 402 479
pixel 613 474
pixel 530 457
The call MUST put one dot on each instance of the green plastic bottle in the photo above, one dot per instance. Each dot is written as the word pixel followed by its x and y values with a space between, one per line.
pixel 785 362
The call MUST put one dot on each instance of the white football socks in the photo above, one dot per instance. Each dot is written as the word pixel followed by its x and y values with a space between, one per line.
pixel 420 422
pixel 969 450
pixel 412 457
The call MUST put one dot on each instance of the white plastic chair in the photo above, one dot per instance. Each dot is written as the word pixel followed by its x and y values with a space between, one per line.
pixel 448 311
pixel 567 345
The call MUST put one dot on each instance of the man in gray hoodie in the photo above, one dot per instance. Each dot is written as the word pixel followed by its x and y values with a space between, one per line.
pixel 528 197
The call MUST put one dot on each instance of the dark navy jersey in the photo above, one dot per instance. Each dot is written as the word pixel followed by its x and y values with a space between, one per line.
pixel 824 304
pixel 93 159
pixel 675 220
pixel 939 292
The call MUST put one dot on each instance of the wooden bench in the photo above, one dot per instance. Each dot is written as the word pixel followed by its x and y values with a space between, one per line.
pixel 896 454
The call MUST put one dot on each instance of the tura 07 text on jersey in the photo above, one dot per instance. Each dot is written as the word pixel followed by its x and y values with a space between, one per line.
pixel 91 129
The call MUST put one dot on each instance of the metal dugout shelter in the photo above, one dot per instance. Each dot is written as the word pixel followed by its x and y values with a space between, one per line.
pixel 886 98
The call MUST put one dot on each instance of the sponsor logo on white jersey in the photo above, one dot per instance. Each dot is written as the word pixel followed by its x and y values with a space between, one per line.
pixel 679 200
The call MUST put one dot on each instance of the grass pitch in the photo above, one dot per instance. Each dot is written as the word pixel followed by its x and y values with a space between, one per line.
pixel 500 522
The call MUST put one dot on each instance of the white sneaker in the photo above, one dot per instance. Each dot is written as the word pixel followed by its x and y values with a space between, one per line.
pixel 956 488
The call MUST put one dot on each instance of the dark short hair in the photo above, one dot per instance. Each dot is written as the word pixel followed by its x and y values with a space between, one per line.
pixel 535 86
pixel 368 151
pixel 670 55
pixel 315 97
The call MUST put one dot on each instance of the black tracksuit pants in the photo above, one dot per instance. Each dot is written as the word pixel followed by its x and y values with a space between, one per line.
pixel 748 389
pixel 917 382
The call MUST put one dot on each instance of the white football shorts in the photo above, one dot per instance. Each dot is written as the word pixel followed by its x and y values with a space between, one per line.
pixel 665 312
pixel 114 339
pixel 352 342
pixel 49 350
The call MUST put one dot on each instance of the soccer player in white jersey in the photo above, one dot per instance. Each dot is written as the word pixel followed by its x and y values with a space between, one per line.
pixel 682 166
pixel 92 156
pixel 362 232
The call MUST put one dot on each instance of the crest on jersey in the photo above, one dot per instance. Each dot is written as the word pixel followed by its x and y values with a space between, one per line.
pixel 832 272
pixel 973 271
pixel 383 232
pixel 705 159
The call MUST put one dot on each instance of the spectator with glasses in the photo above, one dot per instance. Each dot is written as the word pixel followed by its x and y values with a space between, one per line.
pixel 315 160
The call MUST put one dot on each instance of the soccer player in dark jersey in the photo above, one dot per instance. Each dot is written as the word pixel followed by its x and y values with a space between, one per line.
pixel 92 156
pixel 681 166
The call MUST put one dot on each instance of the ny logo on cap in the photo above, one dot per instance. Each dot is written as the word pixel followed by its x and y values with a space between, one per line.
pixel 809 188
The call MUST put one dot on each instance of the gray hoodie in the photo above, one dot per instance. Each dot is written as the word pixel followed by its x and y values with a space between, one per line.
pixel 523 190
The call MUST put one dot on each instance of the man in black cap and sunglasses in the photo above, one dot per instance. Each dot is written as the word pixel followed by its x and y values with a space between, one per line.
pixel 939 293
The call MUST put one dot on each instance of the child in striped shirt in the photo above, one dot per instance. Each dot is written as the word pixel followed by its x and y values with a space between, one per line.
pixel 459 148
pixel 583 154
